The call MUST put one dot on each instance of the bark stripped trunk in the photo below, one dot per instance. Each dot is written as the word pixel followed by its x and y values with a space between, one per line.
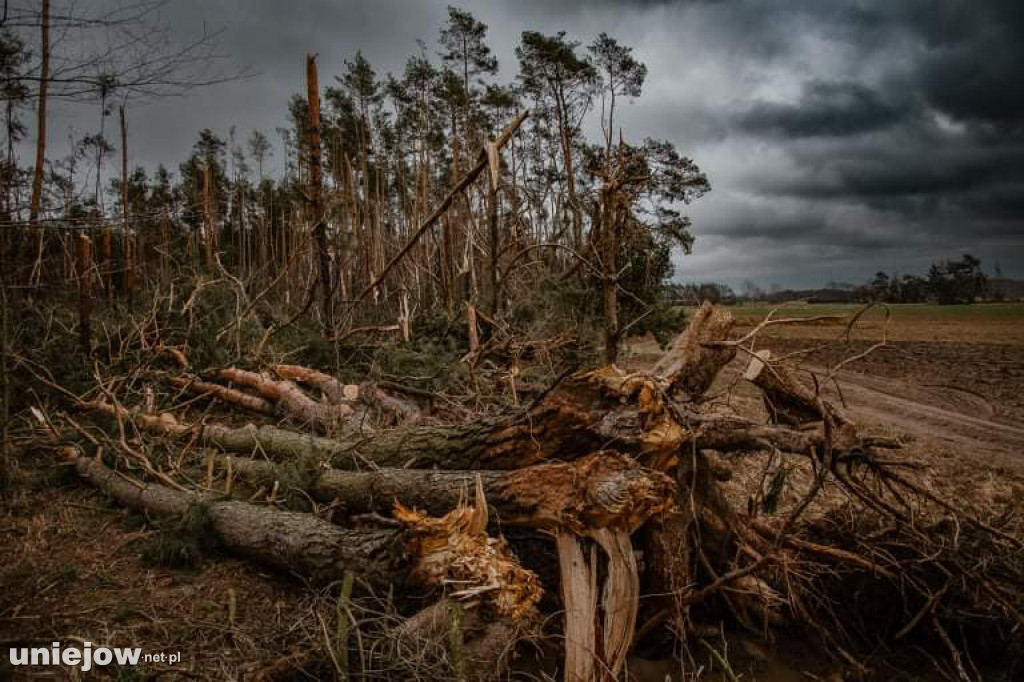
pixel 35 204
pixel 315 191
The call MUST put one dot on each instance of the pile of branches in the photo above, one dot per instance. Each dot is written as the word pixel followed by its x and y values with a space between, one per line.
pixel 621 475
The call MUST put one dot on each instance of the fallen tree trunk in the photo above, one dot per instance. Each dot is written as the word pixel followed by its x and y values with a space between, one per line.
pixel 586 412
pixel 790 402
pixel 337 392
pixel 422 551
pixel 602 490
pixel 289 541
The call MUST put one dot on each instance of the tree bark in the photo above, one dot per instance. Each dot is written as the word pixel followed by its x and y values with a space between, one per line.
pixel 315 191
pixel 289 541
pixel 44 82
pixel 601 490
pixel 690 365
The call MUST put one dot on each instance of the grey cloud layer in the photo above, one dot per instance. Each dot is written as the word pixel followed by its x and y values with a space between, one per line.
pixel 840 137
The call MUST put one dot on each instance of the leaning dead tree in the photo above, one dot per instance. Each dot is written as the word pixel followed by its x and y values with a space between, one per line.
pixel 608 465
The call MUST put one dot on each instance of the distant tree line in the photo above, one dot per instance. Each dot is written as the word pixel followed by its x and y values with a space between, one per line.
pixel 947 282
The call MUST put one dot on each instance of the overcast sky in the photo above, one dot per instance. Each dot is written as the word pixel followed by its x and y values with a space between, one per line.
pixel 840 137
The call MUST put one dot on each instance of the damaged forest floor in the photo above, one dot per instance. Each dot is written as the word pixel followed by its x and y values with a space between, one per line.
pixel 75 565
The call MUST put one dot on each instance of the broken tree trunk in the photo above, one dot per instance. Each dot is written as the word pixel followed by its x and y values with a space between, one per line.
pixel 790 402
pixel 316 203
pixel 690 366
pixel 290 541
pixel 604 489
pixel 421 551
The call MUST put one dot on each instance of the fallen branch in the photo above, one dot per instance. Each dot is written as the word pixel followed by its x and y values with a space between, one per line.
pixel 223 393
pixel 289 397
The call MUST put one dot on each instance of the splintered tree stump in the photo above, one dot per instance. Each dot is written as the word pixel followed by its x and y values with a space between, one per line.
pixel 693 361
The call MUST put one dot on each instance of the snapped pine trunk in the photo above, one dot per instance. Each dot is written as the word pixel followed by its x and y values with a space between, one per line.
pixel 289 541
pixel 604 489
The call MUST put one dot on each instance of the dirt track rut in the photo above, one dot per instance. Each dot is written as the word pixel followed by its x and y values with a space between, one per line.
pixel 935 414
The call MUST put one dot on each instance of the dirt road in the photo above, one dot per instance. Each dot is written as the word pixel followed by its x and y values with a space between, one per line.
pixel 941 416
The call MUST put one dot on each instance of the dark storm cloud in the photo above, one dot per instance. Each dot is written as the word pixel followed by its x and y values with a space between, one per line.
pixel 825 108
pixel 840 137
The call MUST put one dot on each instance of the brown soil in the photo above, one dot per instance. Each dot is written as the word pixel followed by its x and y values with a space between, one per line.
pixel 71 570
pixel 948 395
